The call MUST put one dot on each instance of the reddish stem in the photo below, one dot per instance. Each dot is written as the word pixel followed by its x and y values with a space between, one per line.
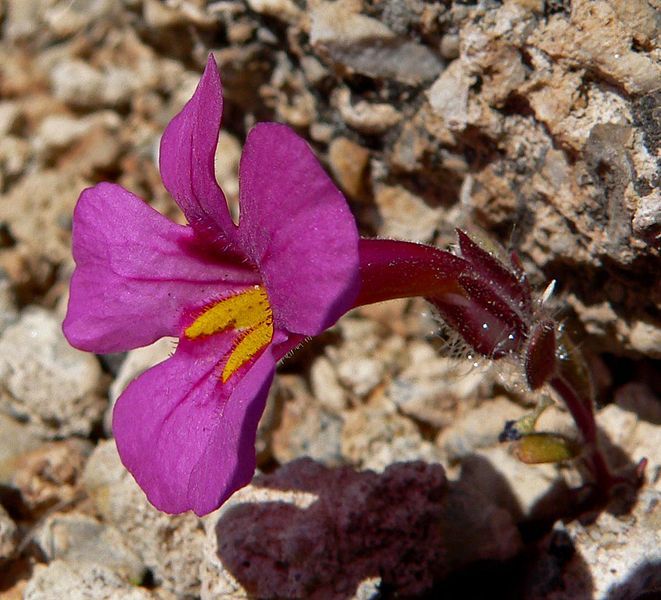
pixel 392 269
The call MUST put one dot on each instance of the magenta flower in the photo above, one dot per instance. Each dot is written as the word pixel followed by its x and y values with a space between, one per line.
pixel 238 297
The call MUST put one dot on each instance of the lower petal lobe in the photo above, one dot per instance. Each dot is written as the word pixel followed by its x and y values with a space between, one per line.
pixel 188 437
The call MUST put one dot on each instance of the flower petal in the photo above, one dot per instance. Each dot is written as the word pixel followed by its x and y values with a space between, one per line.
pixel 296 227
pixel 137 273
pixel 187 438
pixel 188 149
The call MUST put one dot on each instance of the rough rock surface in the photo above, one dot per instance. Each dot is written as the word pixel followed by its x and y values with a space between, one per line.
pixel 45 381
pixel 170 546
pixel 8 535
pixel 82 581
pixel 313 532
pixel 613 557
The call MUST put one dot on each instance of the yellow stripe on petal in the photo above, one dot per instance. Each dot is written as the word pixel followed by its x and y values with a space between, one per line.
pixel 241 311
pixel 247 347
pixel 249 312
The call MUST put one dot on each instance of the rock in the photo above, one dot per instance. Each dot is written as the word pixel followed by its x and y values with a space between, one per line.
pixel 285 10
pixel 49 475
pixel 448 96
pixel 363 357
pixel 78 84
pixel 527 492
pixel 76 538
pixel 22 20
pixel 361 375
pixel 8 309
pixel 626 432
pixel 67 18
pixel 16 439
pixel 476 528
pixel 80 581
pixel 305 429
pixel 432 388
pixel 45 381
pixel 349 162
pixel 603 323
pixel 478 428
pixel 640 399
pixel 405 216
pixel 646 338
pixel 14 156
pixel 170 546
pixel 10 115
pixel 166 17
pixel 326 388
pixel 370 118
pixel 367 46
pixel 228 155
pixel 613 557
pixel 38 211
pixel 8 535
pixel 647 219
pixel 313 532
pixel 374 438
pixel 596 39
pixel 58 132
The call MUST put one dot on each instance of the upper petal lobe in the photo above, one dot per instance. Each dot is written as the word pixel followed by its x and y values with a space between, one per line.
pixel 188 149
pixel 297 229
pixel 137 273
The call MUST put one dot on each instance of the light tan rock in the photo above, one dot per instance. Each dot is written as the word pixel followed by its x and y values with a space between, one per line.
pixel 372 118
pixel 374 438
pixel 349 162
pixel 366 45
pixel 615 556
pixel 8 535
pixel 305 428
pixel 49 475
pixel 404 215
pixel 81 581
pixel 45 380
pixel 80 539
pixel 597 39
pixel 170 546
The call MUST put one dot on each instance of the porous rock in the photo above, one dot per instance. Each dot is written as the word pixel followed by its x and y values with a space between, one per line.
pixel 16 439
pixel 76 538
pixel 478 428
pixel 432 388
pixel 376 437
pixel 80 581
pixel 49 475
pixel 309 531
pixel 305 428
pixel 405 216
pixel 365 45
pixel 170 546
pixel 45 381
pixel 611 557
pixel 8 535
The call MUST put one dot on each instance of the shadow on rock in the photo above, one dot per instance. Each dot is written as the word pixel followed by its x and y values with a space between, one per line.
pixel 309 531
pixel 643 584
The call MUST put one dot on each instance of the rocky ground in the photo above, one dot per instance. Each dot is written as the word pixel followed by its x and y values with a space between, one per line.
pixel 380 470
